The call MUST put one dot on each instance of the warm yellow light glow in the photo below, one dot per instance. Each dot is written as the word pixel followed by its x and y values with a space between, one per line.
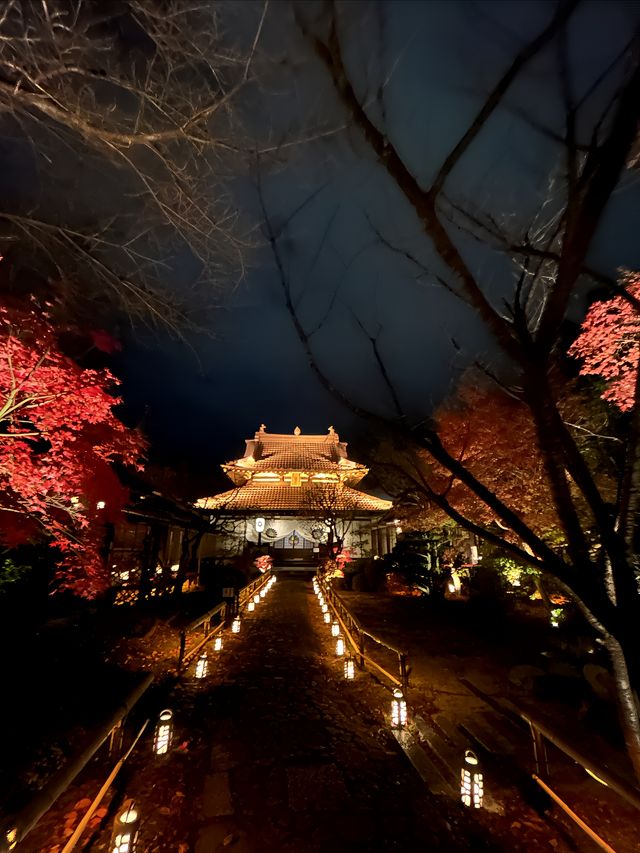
pixel 471 781
pixel 327 617
pixel 597 778
pixel 325 608
pixel 335 629
pixel 349 668
pixel 256 598
pixel 202 666
pixel 263 592
pixel 100 505
pixel 251 606
pixel 235 626
pixel 124 840
pixel 398 710
pixel 217 644
pixel 339 647
pixel 12 837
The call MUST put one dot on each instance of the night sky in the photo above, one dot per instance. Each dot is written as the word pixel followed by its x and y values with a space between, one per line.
pixel 199 400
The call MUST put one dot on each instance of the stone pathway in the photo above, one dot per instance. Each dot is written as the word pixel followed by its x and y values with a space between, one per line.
pixel 299 759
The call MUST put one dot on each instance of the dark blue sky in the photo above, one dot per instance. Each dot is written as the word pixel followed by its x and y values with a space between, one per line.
pixel 435 61
pixel 438 60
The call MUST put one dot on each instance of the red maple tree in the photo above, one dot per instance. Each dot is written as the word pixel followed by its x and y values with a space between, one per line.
pixel 58 438
pixel 609 344
pixel 493 434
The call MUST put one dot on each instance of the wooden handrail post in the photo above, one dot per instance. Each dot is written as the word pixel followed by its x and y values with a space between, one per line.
pixel 361 648
pixel 404 675
pixel 183 642
pixel 539 752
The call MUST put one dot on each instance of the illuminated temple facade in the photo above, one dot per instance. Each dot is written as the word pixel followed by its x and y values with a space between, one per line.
pixel 287 492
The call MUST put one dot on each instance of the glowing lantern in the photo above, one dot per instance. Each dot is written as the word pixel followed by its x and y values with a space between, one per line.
pixel 339 647
pixel 235 625
pixel 251 606
pixel 125 830
pixel 325 608
pixel 263 592
pixel 327 617
pixel 202 666
pixel 398 710
pixel 164 733
pixel 217 644
pixel 256 599
pixel 349 668
pixel 12 837
pixel 471 781
pixel 335 629
pixel 273 578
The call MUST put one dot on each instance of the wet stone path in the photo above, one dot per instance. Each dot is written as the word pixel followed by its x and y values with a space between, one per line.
pixel 296 758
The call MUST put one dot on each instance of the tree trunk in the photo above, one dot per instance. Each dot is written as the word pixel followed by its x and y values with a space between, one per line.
pixel 625 699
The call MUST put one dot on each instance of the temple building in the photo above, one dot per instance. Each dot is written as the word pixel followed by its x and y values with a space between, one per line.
pixel 295 494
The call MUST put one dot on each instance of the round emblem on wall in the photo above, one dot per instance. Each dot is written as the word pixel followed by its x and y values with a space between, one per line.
pixel 317 533
pixel 271 533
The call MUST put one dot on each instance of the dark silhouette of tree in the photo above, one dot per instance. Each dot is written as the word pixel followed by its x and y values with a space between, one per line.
pixel 547 254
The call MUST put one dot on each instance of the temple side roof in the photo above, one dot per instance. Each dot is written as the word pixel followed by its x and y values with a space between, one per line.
pixel 268 497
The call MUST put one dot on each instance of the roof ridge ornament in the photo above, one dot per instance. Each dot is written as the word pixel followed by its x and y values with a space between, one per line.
pixel 332 431
pixel 263 428
pixel 297 431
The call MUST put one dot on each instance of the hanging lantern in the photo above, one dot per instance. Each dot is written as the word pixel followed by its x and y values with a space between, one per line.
pixel 256 598
pixel 339 647
pixel 202 666
pixel 327 617
pixel 251 606
pixel 217 644
pixel 125 829
pixel 398 710
pixel 235 625
pixel 471 781
pixel 164 733
pixel 349 668
pixel 335 629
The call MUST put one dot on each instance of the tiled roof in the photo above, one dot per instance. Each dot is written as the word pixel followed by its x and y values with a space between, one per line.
pixel 295 452
pixel 273 497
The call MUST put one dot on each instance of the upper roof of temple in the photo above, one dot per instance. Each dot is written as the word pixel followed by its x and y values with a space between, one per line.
pixel 276 453
pixel 294 473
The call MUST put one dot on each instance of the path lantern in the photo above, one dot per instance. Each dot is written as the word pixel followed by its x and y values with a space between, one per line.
pixel 398 710
pixel 327 617
pixel 471 781
pixel 256 598
pixel 235 625
pixel 164 733
pixel 251 606
pixel 349 668
pixel 335 629
pixel 217 644
pixel 263 592
pixel 339 647
pixel 125 829
pixel 202 666
pixel 325 608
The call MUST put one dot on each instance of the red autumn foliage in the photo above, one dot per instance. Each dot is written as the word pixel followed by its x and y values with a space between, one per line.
pixel 494 436
pixel 609 344
pixel 58 438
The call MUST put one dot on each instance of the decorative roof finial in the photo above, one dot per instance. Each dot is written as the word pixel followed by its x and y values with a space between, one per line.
pixel 332 431
pixel 262 427
pixel 297 431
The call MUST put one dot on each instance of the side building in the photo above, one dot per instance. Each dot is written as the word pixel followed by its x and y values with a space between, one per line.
pixel 296 496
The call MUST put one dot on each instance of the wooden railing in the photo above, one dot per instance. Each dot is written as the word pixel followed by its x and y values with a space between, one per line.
pixel 213 621
pixel 360 640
